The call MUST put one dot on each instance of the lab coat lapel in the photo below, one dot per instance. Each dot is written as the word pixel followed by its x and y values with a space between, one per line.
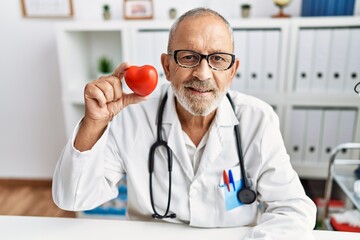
pixel 175 138
pixel 222 125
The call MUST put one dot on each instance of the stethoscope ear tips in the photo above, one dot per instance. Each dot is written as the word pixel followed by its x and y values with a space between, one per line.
pixel 246 196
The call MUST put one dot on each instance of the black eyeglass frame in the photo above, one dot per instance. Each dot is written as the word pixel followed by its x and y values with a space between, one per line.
pixel 202 56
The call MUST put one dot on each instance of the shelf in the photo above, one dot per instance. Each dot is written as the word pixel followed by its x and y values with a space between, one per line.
pixel 312 170
pixel 345 178
pixel 81 44
pixel 347 183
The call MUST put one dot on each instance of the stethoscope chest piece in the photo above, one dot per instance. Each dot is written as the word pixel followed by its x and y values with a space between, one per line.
pixel 246 196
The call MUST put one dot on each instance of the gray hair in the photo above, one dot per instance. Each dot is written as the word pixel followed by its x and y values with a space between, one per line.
pixel 197 12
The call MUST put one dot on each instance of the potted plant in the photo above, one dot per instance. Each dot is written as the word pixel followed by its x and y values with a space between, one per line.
pixel 106 12
pixel 245 10
pixel 105 66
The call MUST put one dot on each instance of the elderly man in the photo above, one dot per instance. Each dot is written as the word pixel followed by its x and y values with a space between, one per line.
pixel 218 159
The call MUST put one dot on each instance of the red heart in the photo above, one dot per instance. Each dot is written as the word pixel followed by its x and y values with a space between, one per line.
pixel 141 80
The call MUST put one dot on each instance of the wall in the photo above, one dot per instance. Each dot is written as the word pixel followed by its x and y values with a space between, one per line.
pixel 32 129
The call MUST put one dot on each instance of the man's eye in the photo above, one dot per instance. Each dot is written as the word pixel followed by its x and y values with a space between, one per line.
pixel 218 58
pixel 189 57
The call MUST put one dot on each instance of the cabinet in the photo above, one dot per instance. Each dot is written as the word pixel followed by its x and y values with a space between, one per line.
pixel 306 68
pixel 342 172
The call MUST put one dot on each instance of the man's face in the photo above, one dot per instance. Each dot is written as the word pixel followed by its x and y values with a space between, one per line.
pixel 200 90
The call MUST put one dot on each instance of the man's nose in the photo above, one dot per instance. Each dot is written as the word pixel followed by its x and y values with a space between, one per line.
pixel 203 70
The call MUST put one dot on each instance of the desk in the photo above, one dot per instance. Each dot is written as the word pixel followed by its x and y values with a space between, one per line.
pixel 43 228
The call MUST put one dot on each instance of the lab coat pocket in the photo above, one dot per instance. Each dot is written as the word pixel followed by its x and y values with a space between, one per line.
pixel 231 211
pixel 230 183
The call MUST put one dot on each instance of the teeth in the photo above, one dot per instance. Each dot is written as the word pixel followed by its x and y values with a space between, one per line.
pixel 199 90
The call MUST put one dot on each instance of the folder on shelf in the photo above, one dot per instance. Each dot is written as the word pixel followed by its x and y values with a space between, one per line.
pixel 144 53
pixel 352 73
pixel 271 58
pixel 255 59
pixel 320 60
pixel 241 52
pixel 297 134
pixel 160 47
pixel 346 130
pixel 349 7
pixel 304 60
pixel 312 135
pixel 338 59
pixel 305 8
pixel 330 7
pixel 329 133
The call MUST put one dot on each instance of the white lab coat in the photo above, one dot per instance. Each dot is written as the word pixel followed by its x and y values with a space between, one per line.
pixel 84 180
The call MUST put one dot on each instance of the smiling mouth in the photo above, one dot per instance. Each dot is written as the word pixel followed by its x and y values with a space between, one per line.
pixel 200 90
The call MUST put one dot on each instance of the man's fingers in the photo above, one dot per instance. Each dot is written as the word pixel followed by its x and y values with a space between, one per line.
pixel 117 86
pixel 93 92
pixel 107 89
pixel 121 69
pixel 132 98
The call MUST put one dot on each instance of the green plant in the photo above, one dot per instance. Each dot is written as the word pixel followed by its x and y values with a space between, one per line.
pixel 105 65
pixel 106 7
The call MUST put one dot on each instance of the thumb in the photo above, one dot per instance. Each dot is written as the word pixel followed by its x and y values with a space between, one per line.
pixel 132 98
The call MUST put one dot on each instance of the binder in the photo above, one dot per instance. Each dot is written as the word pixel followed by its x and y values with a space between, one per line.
pixel 338 59
pixel 330 8
pixel 346 129
pixel 320 60
pixel 352 75
pixel 319 8
pixel 304 59
pixel 313 133
pixel 255 59
pixel 306 8
pixel 349 7
pixel 160 47
pixel 329 138
pixel 340 7
pixel 241 52
pixel 145 53
pixel 297 134
pixel 271 58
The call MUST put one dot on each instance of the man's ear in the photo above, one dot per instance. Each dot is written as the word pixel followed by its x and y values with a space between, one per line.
pixel 235 68
pixel 165 62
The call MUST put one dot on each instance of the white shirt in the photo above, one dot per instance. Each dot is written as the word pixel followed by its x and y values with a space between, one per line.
pixel 195 153
pixel 84 180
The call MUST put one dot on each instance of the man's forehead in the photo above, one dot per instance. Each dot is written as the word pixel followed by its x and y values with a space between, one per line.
pixel 207 30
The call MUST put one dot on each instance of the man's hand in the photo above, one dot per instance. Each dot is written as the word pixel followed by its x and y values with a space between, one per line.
pixel 104 98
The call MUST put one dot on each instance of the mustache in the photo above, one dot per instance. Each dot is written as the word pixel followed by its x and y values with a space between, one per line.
pixel 199 84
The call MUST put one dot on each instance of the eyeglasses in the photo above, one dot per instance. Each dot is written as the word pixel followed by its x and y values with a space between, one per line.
pixel 190 59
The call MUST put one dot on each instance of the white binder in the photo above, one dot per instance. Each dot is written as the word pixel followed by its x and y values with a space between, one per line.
pixel 272 53
pixel 160 47
pixel 329 138
pixel 338 59
pixel 255 59
pixel 297 134
pixel 144 53
pixel 313 133
pixel 352 73
pixel 241 52
pixel 320 60
pixel 346 129
pixel 304 60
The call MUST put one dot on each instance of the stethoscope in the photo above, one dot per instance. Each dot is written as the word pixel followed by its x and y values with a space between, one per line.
pixel 244 195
